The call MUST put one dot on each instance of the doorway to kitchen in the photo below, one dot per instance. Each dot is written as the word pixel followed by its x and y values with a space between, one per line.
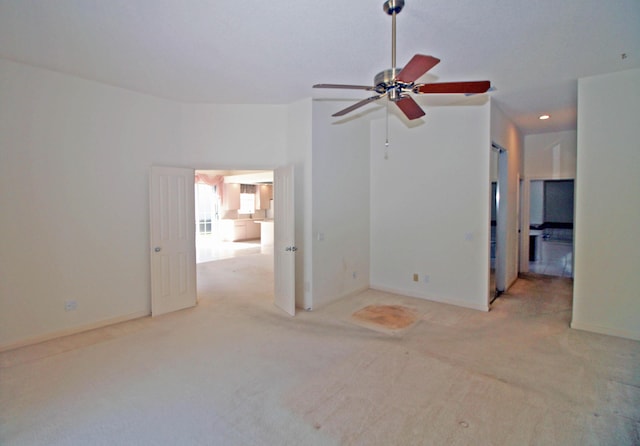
pixel 234 229
pixel 234 213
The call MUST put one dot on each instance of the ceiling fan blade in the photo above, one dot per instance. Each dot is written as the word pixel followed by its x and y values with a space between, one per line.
pixel 358 105
pixel 417 66
pixel 345 87
pixel 473 87
pixel 410 107
pixel 492 88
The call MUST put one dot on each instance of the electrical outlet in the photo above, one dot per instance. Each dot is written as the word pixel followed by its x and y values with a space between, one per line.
pixel 425 278
pixel 415 277
pixel 70 305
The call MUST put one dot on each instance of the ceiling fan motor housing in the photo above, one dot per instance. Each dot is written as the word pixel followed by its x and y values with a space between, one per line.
pixel 385 83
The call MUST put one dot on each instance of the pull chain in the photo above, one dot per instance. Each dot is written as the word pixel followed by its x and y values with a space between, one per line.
pixel 386 142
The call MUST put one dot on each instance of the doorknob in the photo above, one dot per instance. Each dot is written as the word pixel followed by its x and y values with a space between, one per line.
pixel 157 249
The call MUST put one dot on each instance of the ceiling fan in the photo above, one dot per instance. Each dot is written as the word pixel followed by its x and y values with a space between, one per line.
pixel 397 83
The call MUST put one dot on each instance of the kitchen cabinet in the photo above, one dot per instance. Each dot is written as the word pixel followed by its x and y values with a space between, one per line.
pixel 239 230
pixel 227 230
pixel 253 230
pixel 264 194
pixel 234 230
pixel 266 233
pixel 231 196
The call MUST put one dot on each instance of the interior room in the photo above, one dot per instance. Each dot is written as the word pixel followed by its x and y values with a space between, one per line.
pixel 234 213
pixel 551 227
pixel 372 316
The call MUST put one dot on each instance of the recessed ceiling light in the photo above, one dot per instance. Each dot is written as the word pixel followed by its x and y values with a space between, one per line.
pixel 543 117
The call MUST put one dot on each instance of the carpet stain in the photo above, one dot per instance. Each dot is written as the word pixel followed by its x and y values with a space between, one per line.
pixel 393 317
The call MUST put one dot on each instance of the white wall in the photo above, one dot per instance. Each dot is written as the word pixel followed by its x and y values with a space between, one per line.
pixel 429 206
pixel 340 191
pixel 229 136
pixel 74 163
pixel 506 134
pixel 550 155
pixel 607 258
pixel 536 202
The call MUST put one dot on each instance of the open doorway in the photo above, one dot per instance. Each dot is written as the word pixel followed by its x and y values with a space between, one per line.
pixel 498 223
pixel 493 223
pixel 174 223
pixel 551 207
pixel 234 213
pixel 234 220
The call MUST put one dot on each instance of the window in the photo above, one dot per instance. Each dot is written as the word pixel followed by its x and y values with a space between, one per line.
pixel 247 199
pixel 205 207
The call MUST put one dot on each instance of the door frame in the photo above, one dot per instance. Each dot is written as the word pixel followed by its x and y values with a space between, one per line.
pixel 502 213
pixel 526 216
pixel 237 170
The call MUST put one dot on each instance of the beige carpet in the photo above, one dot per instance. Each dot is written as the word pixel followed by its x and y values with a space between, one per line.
pixel 237 371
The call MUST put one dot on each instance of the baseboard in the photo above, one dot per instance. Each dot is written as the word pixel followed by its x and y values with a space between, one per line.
pixel 633 335
pixel 72 331
pixel 457 303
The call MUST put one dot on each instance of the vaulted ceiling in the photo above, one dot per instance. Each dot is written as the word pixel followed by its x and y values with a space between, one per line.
pixel 261 52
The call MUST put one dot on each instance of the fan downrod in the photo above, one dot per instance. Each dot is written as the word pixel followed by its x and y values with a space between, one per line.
pixel 393 6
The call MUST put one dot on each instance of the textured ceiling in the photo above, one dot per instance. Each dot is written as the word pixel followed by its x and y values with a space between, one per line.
pixel 260 52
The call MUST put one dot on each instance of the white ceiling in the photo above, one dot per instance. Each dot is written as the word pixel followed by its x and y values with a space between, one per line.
pixel 261 52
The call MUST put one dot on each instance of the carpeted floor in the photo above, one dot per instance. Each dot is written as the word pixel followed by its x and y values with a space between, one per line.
pixel 237 371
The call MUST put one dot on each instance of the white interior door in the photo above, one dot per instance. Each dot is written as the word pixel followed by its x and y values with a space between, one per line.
pixel 284 240
pixel 173 248
pixel 501 228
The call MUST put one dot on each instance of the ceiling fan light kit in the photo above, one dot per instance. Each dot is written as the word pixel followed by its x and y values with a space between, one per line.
pixel 398 84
